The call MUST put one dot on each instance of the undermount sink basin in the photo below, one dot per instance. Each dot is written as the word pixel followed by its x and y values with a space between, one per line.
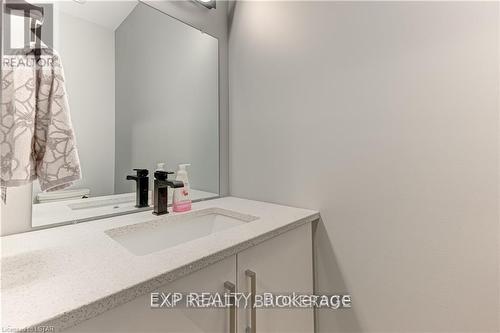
pixel 159 234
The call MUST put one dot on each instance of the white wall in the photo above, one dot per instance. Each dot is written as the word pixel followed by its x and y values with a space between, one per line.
pixel 383 116
pixel 15 216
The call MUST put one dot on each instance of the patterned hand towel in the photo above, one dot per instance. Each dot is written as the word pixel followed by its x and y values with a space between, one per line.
pixel 36 134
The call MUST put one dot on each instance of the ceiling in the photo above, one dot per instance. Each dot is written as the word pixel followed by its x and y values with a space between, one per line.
pixel 109 14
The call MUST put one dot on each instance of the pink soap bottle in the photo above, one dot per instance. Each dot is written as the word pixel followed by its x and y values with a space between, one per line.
pixel 181 201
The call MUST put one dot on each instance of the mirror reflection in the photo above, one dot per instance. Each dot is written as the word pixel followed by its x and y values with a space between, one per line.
pixel 143 94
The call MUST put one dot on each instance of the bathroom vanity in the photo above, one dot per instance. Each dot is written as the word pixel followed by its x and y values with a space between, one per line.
pixel 95 253
pixel 99 275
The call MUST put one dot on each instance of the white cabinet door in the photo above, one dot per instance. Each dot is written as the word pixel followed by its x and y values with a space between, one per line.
pixel 138 316
pixel 281 265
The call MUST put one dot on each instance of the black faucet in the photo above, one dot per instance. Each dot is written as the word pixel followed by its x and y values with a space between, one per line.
pixel 160 195
pixel 142 187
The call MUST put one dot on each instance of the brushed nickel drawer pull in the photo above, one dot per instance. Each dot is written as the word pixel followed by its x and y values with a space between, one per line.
pixel 253 310
pixel 229 286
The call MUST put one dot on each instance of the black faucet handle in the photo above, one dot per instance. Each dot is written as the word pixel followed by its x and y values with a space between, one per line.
pixel 176 183
pixel 142 172
pixel 162 175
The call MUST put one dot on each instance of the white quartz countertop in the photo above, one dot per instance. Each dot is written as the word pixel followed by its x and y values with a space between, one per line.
pixel 65 275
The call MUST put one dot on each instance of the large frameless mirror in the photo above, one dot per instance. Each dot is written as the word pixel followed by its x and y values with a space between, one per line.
pixel 142 90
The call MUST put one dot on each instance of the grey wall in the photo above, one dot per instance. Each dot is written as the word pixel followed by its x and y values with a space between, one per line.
pixel 166 99
pixel 383 116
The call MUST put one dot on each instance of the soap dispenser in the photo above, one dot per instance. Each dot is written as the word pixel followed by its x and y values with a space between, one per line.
pixel 181 201
pixel 161 185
